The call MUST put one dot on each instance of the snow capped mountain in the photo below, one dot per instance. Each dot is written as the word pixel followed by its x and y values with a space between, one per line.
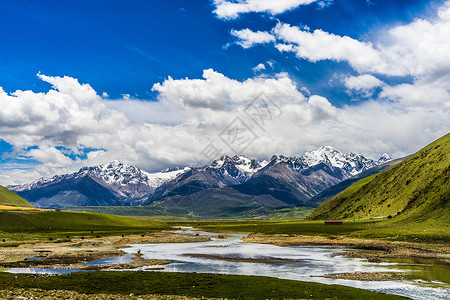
pixel 128 183
pixel 237 166
pixel 384 158
pixel 157 179
pixel 351 162
pixel 117 183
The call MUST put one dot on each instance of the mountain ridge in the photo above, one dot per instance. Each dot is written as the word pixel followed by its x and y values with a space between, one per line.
pixel 121 184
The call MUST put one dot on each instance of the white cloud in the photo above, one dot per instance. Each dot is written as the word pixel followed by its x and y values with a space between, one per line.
pixel 230 9
pixel 362 82
pixel 247 38
pixel 218 92
pixel 321 45
pixel 259 68
pixel 201 109
pixel 420 49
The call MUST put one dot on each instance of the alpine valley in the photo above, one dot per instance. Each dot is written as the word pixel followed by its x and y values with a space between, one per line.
pixel 228 186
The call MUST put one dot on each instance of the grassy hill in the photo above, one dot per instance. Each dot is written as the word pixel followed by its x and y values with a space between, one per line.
pixel 336 189
pixel 8 198
pixel 416 190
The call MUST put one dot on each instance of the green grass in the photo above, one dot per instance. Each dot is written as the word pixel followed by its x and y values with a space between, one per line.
pixel 291 213
pixel 10 198
pixel 60 224
pixel 278 227
pixel 416 190
pixel 375 229
pixel 192 284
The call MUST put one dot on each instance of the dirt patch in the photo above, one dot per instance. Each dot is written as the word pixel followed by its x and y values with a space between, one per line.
pixel 252 260
pixel 365 276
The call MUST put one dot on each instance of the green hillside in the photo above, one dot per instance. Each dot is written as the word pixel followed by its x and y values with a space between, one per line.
pixel 10 198
pixel 416 190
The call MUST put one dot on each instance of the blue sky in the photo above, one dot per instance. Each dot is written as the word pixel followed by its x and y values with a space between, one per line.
pixel 124 47
pixel 126 51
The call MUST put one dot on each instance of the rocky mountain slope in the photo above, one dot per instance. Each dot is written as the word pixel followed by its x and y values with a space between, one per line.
pixel 416 189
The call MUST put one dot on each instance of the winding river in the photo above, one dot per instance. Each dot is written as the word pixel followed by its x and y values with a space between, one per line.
pixel 310 261
pixel 301 263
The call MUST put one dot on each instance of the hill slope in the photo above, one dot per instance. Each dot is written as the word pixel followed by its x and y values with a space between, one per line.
pixel 416 189
pixel 336 189
pixel 10 198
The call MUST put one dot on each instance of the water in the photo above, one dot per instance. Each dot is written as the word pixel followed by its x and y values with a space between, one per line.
pixel 312 261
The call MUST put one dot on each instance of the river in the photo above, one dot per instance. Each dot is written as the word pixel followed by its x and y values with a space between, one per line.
pixel 301 263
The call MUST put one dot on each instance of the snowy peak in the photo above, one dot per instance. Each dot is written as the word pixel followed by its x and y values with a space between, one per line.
pixel 157 179
pixel 123 180
pixel 242 163
pixel 384 158
pixel 116 173
pixel 350 162
pixel 326 154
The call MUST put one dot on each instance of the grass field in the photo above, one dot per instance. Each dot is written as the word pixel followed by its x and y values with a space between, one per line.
pixel 26 225
pixel 16 208
pixel 187 284
pixel 412 232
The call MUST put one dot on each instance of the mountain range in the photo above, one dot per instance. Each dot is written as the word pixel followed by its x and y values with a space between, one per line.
pixel 234 183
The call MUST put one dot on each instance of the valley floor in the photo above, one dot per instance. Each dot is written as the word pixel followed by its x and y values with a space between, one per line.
pixel 56 250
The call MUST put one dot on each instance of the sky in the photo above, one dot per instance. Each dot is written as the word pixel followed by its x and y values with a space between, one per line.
pixel 161 84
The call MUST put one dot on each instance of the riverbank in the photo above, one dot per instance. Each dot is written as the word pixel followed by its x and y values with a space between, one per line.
pixel 373 250
pixel 75 252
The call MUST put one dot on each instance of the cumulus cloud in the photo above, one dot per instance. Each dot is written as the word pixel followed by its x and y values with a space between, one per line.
pixel 419 50
pixel 61 116
pixel 218 92
pixel 229 9
pixel 247 38
pixel 321 45
pixel 202 108
pixel 362 84
pixel 259 67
